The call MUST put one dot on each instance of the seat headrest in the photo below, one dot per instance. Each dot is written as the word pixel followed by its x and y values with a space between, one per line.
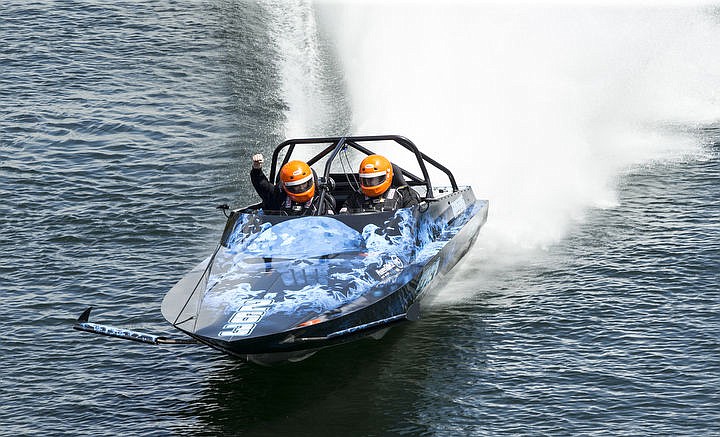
pixel 398 179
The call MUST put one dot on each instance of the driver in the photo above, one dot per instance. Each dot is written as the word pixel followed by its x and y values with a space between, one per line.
pixel 376 175
pixel 296 194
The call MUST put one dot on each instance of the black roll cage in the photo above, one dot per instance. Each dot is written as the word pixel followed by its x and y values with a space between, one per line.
pixel 338 144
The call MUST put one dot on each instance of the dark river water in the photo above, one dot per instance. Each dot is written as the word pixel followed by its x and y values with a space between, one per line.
pixel 123 125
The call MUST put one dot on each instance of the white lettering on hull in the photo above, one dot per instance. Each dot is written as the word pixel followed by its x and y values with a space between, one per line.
pixel 245 319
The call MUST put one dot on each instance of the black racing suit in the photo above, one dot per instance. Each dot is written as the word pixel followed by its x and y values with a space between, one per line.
pixel 275 199
pixel 393 198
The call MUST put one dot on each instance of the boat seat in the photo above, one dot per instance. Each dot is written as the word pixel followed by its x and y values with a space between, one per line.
pixel 398 179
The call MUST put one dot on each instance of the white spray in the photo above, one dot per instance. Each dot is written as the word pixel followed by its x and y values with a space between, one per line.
pixel 539 108
pixel 294 32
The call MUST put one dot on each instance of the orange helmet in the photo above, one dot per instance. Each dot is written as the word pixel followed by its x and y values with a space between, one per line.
pixel 376 175
pixel 297 181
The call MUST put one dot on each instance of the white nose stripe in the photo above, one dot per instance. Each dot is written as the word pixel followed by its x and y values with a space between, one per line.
pixel 299 181
pixel 372 175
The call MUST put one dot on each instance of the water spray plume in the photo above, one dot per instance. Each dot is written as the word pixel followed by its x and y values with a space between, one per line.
pixel 540 109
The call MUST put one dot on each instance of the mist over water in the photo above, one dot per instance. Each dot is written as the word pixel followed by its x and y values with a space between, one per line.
pixel 539 108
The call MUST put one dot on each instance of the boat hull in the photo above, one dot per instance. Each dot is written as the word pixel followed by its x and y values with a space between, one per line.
pixel 443 229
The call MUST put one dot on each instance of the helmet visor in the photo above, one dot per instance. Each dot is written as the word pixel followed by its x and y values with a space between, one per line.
pixel 299 188
pixel 372 181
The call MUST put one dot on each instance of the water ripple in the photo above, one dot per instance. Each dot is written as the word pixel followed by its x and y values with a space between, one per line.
pixel 123 124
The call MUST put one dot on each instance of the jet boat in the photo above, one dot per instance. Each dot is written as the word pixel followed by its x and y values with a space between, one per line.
pixel 281 287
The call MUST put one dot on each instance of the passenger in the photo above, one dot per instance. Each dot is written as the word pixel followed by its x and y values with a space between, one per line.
pixel 296 193
pixel 376 178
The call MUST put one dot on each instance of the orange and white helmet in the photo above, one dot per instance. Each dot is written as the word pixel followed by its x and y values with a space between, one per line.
pixel 297 181
pixel 376 175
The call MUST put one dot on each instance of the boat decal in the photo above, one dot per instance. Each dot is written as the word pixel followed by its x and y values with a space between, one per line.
pixel 243 321
pixel 393 265
pixel 458 205
pixel 314 264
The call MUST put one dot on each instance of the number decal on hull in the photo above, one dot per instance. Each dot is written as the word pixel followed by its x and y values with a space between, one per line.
pixel 244 320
